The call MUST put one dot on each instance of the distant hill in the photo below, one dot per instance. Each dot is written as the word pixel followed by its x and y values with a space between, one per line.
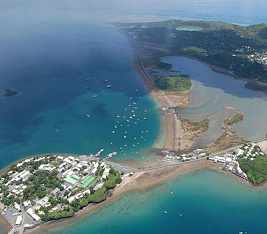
pixel 239 50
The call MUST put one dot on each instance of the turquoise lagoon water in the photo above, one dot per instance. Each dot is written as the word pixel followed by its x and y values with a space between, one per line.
pixel 49 48
pixel 212 92
pixel 209 202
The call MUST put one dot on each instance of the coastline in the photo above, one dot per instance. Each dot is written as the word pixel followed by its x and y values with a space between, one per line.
pixel 223 71
pixel 174 131
pixel 4 224
pixel 140 181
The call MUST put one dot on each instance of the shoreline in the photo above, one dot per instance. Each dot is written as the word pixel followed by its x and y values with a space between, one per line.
pixel 223 71
pixel 140 181
pixel 174 131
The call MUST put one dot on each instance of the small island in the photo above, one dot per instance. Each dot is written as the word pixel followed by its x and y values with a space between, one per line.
pixel 173 83
pixel 10 93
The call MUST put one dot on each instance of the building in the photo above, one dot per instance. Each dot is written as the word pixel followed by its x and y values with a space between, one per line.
pixel 33 215
pixel 19 220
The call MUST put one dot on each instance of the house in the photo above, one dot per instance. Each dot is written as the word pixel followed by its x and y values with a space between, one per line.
pixel 17 206
pixel 105 173
pixel 98 186
pixel 42 201
pixel 55 191
pixel 25 175
pixel 33 215
pixel 27 203
pixel 46 167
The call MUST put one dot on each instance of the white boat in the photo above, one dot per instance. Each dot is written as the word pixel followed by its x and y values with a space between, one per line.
pixel 108 86
pixel 165 212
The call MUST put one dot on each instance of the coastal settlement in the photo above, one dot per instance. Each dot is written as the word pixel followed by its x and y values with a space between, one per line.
pixel 52 187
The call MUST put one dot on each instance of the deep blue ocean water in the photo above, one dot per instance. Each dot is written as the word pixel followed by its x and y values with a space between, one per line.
pixel 49 48
pixel 58 109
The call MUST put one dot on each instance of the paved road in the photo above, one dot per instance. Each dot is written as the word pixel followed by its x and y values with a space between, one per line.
pixel 127 169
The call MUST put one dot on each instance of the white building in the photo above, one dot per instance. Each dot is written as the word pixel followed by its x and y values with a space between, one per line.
pixel 19 220
pixel 33 215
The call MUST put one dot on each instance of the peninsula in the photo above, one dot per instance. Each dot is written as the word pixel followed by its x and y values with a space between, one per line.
pixel 52 187
pixel 239 51
pixel 38 190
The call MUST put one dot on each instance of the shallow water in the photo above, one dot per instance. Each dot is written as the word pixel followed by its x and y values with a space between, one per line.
pixel 212 92
pixel 209 202
pixel 49 48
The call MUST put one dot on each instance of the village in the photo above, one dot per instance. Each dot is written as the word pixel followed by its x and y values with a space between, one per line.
pixel 194 155
pixel 51 187
pixel 231 159
pixel 248 151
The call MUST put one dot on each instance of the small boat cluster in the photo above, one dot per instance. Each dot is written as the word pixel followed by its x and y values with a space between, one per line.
pixel 127 123
pixel 124 125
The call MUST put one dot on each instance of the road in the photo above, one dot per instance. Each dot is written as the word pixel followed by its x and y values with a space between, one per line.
pixel 128 169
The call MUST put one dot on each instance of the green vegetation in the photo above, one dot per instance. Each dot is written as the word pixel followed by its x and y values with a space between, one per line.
pixel 173 83
pixel 239 50
pixel 195 126
pixel 112 180
pixel 236 119
pixel 263 33
pixel 153 60
pixel 41 183
pixel 58 215
pixel 256 169
pixel 257 86
pixel 97 197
